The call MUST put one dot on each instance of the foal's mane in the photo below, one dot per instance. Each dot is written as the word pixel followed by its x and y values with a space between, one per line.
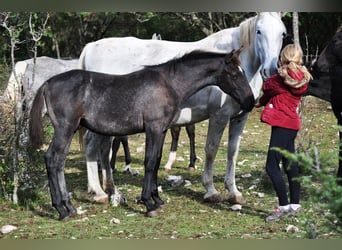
pixel 193 55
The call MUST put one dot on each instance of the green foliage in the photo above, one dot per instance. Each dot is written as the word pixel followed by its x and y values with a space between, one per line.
pixel 326 195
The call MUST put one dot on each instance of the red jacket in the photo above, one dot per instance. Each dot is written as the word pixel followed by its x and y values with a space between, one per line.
pixel 281 101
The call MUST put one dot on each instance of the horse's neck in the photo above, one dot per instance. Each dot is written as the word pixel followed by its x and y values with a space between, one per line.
pixel 223 41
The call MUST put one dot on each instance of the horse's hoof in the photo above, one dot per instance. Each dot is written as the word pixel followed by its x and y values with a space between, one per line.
pixel 101 199
pixel 216 198
pixel 236 200
pixel 152 214
pixel 167 170
pixel 191 169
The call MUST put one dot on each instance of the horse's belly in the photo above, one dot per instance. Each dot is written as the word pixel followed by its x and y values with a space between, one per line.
pixel 117 127
pixel 191 115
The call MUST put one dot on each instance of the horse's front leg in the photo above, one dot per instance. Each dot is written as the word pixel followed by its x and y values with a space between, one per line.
pixel 55 161
pixel 92 143
pixel 153 153
pixel 190 129
pixel 236 127
pixel 175 131
pixel 217 124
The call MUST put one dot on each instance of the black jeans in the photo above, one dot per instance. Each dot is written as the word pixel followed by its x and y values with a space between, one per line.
pixel 285 139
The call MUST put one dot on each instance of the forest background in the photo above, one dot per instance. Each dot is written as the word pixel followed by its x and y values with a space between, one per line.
pixel 66 33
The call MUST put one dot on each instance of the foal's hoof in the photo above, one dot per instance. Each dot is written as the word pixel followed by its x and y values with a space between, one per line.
pixel 152 214
pixel 66 216
pixel 191 169
pixel 236 200
pixel 216 198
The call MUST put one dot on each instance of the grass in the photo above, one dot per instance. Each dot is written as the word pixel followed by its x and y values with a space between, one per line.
pixel 185 215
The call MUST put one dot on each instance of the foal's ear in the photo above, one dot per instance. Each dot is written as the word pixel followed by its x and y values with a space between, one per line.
pixel 234 55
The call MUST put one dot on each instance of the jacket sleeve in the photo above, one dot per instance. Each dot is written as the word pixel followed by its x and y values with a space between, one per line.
pixel 271 87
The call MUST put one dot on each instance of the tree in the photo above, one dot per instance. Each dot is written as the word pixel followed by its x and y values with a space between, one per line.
pixel 15 111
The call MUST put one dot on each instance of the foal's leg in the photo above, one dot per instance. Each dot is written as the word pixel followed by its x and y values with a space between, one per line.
pixel 235 131
pixel 154 145
pixel 155 194
pixel 217 124
pixel 175 131
pixel 190 129
pixel 55 161
pixel 92 143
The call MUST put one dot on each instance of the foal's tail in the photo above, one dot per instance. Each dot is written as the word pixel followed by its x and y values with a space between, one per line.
pixel 35 121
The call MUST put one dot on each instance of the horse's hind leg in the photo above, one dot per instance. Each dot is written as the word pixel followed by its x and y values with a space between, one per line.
pixel 175 131
pixel 92 143
pixel 115 148
pixel 55 161
pixel 107 175
pixel 190 129
pixel 124 141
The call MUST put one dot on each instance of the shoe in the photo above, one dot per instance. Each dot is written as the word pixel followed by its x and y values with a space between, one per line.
pixel 278 214
pixel 294 211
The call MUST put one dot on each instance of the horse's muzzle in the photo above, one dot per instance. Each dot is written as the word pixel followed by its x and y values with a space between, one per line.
pixel 248 104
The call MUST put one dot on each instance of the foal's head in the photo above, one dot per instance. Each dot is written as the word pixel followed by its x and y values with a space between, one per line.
pixel 234 81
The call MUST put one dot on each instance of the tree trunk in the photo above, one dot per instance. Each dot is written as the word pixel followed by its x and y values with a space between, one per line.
pixel 295 27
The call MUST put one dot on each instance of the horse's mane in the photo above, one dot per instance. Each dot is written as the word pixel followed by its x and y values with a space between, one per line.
pixel 248 29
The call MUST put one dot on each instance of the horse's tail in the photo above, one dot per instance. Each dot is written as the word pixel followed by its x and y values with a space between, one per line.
pixel 35 120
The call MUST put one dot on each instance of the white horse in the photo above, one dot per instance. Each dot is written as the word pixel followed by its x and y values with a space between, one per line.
pixel 261 37
pixel 29 75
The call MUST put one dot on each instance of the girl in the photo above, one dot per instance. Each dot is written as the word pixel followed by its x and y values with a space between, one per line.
pixel 281 97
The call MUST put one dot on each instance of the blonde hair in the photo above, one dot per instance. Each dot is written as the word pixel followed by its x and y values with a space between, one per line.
pixel 291 58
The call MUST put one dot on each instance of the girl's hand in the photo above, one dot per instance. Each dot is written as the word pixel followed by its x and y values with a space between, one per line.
pixel 257 105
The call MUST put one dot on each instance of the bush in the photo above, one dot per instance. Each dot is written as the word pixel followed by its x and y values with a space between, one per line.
pixel 321 185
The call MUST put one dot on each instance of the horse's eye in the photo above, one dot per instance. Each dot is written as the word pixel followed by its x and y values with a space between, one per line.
pixel 258 32
pixel 284 34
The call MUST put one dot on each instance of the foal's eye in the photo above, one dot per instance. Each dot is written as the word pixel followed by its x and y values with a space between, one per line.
pixel 258 32
pixel 284 34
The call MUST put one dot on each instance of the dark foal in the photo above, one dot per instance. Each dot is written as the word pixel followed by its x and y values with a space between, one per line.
pixel 143 101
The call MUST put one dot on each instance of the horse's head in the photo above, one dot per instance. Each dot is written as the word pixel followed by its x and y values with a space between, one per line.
pixel 264 35
pixel 234 82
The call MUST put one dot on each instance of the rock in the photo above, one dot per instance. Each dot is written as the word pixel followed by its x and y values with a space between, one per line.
pixel 115 221
pixel 174 180
pixel 236 207
pixel 135 172
pixel 261 195
pixel 187 183
pixel 292 229
pixel 7 229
